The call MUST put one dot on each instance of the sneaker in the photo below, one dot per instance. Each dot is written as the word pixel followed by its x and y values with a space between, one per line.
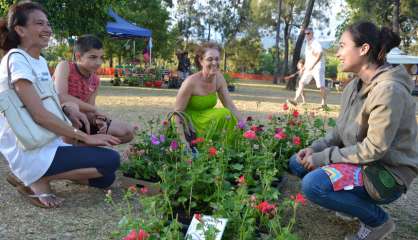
pixel 292 102
pixel 373 233
pixel 345 217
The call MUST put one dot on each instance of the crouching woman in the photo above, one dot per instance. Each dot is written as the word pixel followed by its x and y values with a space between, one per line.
pixel 22 36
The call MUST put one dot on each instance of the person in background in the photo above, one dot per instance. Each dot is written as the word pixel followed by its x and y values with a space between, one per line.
pixel 314 69
pixel 371 156
pixel 77 82
pixel 296 76
pixel 184 65
pixel 23 35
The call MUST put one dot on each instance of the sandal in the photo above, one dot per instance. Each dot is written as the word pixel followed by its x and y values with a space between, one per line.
pixel 13 180
pixel 34 199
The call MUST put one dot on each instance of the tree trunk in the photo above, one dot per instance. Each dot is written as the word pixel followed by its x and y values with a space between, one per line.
pixel 209 33
pixel 225 60
pixel 301 37
pixel 111 58
pixel 277 59
pixel 395 14
pixel 286 48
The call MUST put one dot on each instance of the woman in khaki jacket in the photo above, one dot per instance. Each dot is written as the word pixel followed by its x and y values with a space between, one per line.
pixel 370 157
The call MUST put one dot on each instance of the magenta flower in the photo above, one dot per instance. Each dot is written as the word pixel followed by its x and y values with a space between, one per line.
pixel 154 140
pixel 296 140
pixel 162 138
pixel 241 124
pixel 174 145
pixel 280 135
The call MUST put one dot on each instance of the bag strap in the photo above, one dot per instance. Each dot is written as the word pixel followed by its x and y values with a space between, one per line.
pixel 9 77
pixel 185 121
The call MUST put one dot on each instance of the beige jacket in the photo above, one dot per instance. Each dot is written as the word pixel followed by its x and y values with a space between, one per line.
pixel 377 122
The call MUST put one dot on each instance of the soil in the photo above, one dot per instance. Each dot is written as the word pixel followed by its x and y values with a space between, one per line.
pixel 85 215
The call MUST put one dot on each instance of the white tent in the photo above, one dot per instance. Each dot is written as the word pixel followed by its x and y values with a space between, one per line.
pixel 396 56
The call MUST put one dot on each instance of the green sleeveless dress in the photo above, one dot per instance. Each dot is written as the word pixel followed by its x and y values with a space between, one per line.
pixel 209 121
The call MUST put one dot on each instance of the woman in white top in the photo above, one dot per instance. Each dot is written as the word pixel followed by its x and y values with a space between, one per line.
pixel 26 32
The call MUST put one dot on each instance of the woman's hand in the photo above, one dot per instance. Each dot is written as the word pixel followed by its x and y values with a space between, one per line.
pixel 101 125
pixel 77 118
pixel 307 163
pixel 101 140
pixel 304 153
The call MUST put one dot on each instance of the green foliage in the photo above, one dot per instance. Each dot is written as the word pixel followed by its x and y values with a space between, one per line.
pixel 54 54
pixel 244 54
pixel 381 13
pixel 331 67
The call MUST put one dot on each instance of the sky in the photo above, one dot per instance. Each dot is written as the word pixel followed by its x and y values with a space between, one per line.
pixel 336 7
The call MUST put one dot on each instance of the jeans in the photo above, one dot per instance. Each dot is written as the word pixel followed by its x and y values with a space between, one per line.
pixel 105 160
pixel 317 187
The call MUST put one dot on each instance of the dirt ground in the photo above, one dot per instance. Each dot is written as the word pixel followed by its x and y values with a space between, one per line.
pixel 85 215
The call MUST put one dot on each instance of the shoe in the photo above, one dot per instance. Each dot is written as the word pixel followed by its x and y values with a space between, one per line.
pixel 33 198
pixel 13 180
pixel 345 217
pixel 291 102
pixel 377 233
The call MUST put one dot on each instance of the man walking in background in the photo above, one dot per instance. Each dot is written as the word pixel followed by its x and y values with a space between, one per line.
pixel 314 69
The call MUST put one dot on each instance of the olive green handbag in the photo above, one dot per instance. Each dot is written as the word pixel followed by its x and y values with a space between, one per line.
pixel 379 183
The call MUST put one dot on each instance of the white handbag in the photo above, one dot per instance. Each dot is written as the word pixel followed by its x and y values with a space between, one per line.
pixel 29 134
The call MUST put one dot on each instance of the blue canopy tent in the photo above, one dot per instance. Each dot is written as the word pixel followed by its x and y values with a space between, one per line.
pixel 123 29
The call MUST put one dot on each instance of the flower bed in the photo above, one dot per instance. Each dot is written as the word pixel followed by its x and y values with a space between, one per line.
pixel 226 178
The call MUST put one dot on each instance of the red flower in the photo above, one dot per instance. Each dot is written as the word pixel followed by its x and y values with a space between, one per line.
pixel 189 161
pixel 133 235
pixel 299 199
pixel 143 190
pixel 296 140
pixel 270 117
pixel 132 189
pixel 250 134
pixel 285 107
pixel 291 123
pixel 266 208
pixel 165 123
pixel 249 119
pixel 295 113
pixel 198 217
pixel 280 135
pixel 197 140
pixel 212 151
pixel 240 180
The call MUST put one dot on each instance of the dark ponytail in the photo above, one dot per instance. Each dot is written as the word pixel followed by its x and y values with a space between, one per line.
pixel 381 41
pixel 17 16
pixel 388 40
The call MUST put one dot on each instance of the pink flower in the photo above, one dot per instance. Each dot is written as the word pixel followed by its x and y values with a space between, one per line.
pixel 133 235
pixel 132 189
pixel 189 161
pixel 266 208
pixel 164 123
pixel 280 135
pixel 285 107
pixel 270 117
pixel 174 145
pixel 299 199
pixel 295 113
pixel 250 134
pixel 143 190
pixel 212 151
pixel 240 180
pixel 296 140
pixel 277 130
pixel 198 217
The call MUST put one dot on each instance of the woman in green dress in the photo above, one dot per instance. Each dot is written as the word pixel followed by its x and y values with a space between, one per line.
pixel 198 95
